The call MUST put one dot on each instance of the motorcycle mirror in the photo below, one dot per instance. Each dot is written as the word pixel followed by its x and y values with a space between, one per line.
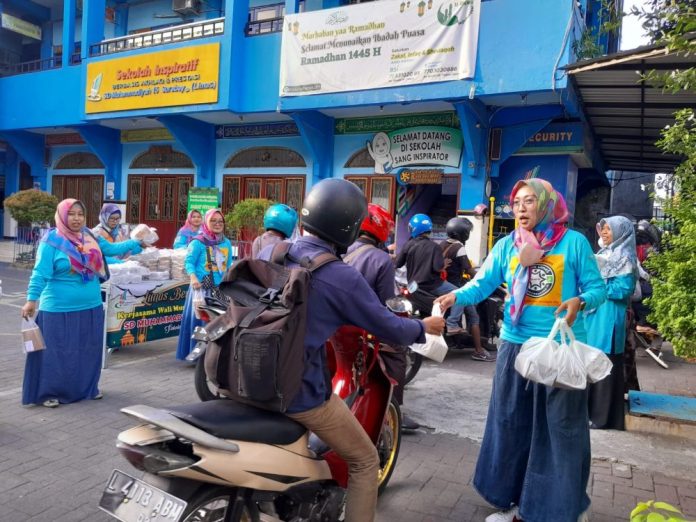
pixel 412 287
pixel 399 305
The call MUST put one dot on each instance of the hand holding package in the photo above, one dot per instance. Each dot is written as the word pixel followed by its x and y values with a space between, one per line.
pixel 435 347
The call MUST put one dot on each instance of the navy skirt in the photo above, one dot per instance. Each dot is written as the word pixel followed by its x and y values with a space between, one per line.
pixel 188 323
pixel 70 366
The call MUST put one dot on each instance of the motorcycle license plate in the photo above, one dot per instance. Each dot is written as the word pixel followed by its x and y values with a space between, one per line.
pixel 131 500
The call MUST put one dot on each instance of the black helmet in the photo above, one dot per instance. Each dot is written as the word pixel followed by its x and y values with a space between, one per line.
pixel 647 233
pixel 459 228
pixel 333 210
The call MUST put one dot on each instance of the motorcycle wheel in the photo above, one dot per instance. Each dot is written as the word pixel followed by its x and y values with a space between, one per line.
pixel 413 364
pixel 389 443
pixel 204 388
pixel 212 504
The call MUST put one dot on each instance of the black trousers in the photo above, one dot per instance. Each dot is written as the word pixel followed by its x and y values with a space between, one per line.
pixel 606 398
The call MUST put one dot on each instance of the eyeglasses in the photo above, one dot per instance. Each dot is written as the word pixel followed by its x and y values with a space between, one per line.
pixel 217 222
pixel 529 202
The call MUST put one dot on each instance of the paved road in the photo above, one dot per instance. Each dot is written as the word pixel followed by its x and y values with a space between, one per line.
pixel 54 463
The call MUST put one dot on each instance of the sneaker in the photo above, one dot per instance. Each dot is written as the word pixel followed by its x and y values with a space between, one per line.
pixel 483 355
pixel 455 330
pixel 98 396
pixel 407 423
pixel 51 403
pixel 584 516
pixel 508 515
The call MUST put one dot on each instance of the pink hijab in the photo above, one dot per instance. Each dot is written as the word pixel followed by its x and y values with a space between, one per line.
pixel 552 215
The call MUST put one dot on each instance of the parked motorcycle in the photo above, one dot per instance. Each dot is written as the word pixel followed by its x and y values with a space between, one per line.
pixel 222 460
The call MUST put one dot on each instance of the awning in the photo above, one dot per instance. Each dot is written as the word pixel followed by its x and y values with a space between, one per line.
pixel 626 115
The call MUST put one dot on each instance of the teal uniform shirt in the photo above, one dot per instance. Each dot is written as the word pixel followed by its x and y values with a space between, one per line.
pixel 606 325
pixel 59 287
pixel 568 270
pixel 196 261
pixel 114 259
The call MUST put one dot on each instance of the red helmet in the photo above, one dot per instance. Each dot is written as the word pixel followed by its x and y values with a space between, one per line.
pixel 378 222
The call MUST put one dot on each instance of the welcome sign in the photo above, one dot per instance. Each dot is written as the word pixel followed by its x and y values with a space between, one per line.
pixel 416 146
pixel 365 46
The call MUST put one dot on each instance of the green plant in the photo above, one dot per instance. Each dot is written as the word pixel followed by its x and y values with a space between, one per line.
pixel 588 46
pixel 246 218
pixel 31 206
pixel 653 511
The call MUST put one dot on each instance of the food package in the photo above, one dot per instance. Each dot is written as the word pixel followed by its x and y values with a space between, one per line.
pixel 178 272
pixel 32 339
pixel 144 233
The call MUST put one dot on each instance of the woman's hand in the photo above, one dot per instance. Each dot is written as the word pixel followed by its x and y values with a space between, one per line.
pixel 195 283
pixel 445 301
pixel 29 309
pixel 434 325
pixel 571 307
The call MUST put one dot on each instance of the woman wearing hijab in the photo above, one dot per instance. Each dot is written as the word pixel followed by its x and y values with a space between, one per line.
pixel 66 277
pixel 109 230
pixel 534 462
pixel 189 230
pixel 606 325
pixel 208 254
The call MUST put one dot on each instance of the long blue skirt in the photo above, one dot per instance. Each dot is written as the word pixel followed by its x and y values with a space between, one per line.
pixel 188 323
pixel 70 366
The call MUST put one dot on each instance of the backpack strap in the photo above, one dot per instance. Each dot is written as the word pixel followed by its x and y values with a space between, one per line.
pixel 319 261
pixel 349 257
pixel 280 250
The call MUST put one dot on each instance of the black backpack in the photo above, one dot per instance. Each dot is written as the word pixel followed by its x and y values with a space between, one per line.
pixel 256 349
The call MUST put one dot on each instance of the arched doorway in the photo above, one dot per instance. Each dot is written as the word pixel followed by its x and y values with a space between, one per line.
pixel 159 200
pixel 87 187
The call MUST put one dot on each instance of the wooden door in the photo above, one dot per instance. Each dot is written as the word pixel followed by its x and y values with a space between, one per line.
pixel 160 202
pixel 88 189
pixel 287 189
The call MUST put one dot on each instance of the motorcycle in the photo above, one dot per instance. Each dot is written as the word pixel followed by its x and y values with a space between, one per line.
pixel 222 460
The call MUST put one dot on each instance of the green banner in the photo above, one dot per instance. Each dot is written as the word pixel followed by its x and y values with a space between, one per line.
pixel 141 312
pixel 391 123
pixel 203 199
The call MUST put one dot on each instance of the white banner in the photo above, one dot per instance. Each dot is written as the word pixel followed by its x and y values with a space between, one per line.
pixel 378 44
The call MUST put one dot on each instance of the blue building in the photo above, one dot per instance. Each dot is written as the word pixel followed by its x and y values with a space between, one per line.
pixel 428 105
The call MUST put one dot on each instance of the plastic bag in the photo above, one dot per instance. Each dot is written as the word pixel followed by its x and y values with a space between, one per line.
pixel 198 299
pixel 32 338
pixel 597 364
pixel 144 233
pixel 435 347
pixel 572 374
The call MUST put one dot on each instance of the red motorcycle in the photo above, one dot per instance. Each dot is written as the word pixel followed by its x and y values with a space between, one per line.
pixel 222 460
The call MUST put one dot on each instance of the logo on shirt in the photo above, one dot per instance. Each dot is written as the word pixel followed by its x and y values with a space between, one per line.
pixel 541 280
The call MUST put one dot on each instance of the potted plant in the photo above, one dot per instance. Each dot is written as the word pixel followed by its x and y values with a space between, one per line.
pixel 33 210
pixel 245 222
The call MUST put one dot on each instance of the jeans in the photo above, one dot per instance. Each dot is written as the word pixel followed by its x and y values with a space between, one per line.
pixel 454 319
pixel 536 448
pixel 335 424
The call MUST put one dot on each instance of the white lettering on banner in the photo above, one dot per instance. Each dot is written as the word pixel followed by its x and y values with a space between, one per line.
pixel 359 47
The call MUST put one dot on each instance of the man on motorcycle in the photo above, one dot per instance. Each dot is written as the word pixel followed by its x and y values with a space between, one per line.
pixel 339 295
pixel 366 256
pixel 425 263
pixel 279 221
pixel 459 270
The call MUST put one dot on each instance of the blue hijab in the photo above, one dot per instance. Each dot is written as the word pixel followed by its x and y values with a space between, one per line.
pixel 618 258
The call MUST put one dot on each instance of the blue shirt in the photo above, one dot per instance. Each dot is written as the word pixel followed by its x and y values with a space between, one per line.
pixel 606 326
pixel 568 270
pixel 59 287
pixel 376 267
pixel 128 247
pixel 196 261
pixel 338 295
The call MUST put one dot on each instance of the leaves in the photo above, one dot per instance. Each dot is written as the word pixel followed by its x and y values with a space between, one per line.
pixel 657 512
pixel 31 206
pixel 247 215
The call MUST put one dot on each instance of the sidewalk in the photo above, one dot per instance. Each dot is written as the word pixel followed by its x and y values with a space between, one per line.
pixel 55 463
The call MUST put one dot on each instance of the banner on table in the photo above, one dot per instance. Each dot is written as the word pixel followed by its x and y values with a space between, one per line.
pixel 141 312
pixel 364 47
pixel 182 76
pixel 416 146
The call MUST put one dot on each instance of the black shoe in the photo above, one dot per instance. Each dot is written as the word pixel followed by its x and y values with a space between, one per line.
pixel 407 423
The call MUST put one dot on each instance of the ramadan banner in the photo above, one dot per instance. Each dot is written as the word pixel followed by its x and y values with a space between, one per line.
pixel 369 46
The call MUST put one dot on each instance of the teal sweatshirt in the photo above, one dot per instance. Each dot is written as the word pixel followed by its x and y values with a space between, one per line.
pixel 568 270
pixel 135 248
pixel 608 322
pixel 59 288
pixel 196 261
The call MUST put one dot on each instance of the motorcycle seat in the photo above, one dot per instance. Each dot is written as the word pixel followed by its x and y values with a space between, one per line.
pixel 228 419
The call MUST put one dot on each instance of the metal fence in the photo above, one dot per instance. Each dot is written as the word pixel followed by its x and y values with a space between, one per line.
pixel 26 243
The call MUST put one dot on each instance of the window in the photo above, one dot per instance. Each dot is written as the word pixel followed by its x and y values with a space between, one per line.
pixel 288 190
pixel 377 189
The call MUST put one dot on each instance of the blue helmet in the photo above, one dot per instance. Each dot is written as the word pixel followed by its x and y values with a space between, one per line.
pixel 419 224
pixel 281 218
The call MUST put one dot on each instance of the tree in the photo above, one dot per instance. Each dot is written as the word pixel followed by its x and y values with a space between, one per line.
pixel 31 206
pixel 673 23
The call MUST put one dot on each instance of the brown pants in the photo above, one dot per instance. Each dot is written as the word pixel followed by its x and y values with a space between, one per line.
pixel 334 423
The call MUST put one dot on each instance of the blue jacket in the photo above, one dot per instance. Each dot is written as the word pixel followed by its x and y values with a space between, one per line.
pixel 606 325
pixel 196 261
pixel 568 270
pixel 338 296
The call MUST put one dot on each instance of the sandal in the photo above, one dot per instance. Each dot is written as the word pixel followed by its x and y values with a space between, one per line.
pixel 51 403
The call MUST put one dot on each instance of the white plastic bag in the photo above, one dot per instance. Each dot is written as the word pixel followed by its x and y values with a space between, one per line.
pixel 596 363
pixel 144 233
pixel 537 358
pixel 435 347
pixel 572 374
pixel 198 299
pixel 32 339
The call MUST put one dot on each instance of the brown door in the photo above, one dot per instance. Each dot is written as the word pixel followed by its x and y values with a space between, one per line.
pixel 160 202
pixel 287 189
pixel 88 189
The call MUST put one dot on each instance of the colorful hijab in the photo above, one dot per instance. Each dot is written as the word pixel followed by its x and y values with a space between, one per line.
pixel 210 239
pixel 108 210
pixel 552 215
pixel 81 247
pixel 188 230
pixel 618 258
